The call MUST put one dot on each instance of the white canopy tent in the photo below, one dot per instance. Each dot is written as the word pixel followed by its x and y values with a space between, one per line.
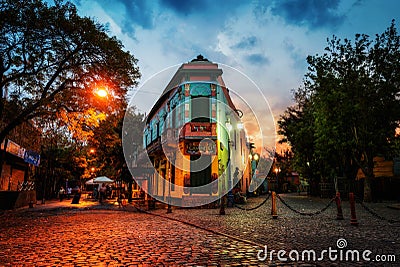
pixel 89 181
pixel 102 179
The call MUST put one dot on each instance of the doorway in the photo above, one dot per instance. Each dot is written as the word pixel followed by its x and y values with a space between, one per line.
pixel 201 174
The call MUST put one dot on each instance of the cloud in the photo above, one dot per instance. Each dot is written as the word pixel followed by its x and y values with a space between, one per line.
pixel 246 42
pixel 257 59
pixel 209 7
pixel 128 15
pixel 296 53
pixel 184 6
pixel 312 13
pixel 139 12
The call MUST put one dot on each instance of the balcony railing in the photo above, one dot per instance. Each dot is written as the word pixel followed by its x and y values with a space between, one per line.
pixel 198 130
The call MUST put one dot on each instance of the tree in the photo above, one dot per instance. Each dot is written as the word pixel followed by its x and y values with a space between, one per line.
pixel 52 59
pixel 297 128
pixel 107 142
pixel 354 93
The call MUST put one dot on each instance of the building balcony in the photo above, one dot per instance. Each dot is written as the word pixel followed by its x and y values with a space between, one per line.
pixel 154 146
pixel 170 137
pixel 170 140
pixel 196 130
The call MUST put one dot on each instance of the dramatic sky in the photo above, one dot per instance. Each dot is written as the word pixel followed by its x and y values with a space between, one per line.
pixel 266 40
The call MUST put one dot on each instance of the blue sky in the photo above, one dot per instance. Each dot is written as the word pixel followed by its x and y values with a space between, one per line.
pixel 266 40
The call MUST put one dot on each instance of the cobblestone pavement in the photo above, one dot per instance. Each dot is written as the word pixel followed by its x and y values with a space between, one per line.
pixel 89 234
pixel 110 238
pixel 292 231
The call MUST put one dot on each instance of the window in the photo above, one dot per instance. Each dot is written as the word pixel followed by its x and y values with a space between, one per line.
pixel 200 107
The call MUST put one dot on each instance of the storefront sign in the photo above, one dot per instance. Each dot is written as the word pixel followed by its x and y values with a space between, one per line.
pixel 32 157
pixel 15 149
pixel 203 147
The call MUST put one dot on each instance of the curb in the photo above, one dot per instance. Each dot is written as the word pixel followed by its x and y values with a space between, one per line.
pixel 65 206
pixel 394 206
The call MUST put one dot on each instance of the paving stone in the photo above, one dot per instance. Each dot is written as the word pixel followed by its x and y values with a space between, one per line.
pixel 110 237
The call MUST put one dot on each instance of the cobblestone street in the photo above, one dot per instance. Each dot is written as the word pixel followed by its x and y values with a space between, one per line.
pixel 61 234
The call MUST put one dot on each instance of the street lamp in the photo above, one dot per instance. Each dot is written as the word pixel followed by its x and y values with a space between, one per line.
pixel 254 157
pixel 277 171
pixel 92 153
pixel 228 125
pixel 101 92
pixel 169 209
pixel 223 198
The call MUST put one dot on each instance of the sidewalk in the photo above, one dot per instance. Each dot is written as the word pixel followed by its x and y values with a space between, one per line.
pixel 292 230
pixel 84 204
pixel 112 204
pixel 395 206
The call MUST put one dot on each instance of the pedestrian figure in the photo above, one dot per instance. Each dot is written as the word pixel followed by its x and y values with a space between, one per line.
pixel 108 191
pixel 103 192
pixel 95 192
pixel 69 191
pixel 121 200
pixel 61 193
pixel 236 178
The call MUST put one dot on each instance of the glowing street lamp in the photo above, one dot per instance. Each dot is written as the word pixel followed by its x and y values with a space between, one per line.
pixel 101 92
pixel 255 157
pixel 277 171
pixel 228 125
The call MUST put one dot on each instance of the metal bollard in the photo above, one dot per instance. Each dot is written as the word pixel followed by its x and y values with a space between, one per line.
pixel 273 209
pixel 339 215
pixel 353 220
pixel 169 209
pixel 222 207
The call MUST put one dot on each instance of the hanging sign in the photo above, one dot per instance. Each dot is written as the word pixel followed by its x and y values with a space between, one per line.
pixel 197 148
pixel 32 157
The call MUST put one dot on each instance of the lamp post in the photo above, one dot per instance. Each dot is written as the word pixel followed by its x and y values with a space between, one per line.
pixel 254 162
pixel 66 189
pixel 277 171
pixel 222 206
pixel 171 157
pixel 223 191
pixel 169 209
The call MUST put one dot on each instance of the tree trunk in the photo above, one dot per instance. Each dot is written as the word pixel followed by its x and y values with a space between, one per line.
pixel 369 176
pixel 367 188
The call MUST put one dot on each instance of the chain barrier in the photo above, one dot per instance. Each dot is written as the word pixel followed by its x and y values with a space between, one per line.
pixel 256 207
pixel 306 213
pixel 373 213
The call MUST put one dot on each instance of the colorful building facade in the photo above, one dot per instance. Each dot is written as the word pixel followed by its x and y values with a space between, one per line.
pixel 194 138
pixel 19 158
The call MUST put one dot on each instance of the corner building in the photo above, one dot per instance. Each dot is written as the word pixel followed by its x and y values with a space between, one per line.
pixel 194 138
